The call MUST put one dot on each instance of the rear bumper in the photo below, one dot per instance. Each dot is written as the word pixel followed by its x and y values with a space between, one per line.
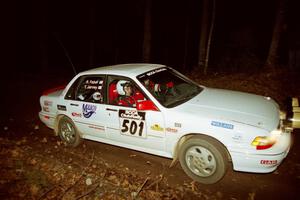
pixel 262 162
pixel 47 119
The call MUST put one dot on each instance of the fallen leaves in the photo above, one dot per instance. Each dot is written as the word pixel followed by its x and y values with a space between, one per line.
pixel 44 140
pixel 16 153
pixel 251 196
pixel 33 161
pixel 88 181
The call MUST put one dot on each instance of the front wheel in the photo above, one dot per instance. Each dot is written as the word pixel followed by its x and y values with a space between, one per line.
pixel 68 133
pixel 203 159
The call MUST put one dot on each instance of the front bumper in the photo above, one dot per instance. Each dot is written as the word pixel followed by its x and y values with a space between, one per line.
pixel 260 162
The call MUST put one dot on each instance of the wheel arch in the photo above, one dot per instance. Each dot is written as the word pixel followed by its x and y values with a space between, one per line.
pixel 187 137
pixel 56 122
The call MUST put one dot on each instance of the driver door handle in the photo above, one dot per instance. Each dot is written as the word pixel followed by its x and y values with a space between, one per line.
pixel 74 104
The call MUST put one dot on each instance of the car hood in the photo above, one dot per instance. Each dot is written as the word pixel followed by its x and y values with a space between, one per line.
pixel 235 106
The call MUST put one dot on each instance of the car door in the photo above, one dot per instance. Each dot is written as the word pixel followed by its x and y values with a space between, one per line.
pixel 85 105
pixel 129 127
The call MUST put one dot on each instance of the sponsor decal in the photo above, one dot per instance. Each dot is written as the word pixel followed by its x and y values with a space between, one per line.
pixel 172 130
pixel 268 162
pixel 90 87
pixel 222 125
pixel 178 125
pixel 48 103
pixel 156 71
pixel 132 123
pixel 156 127
pixel 93 84
pixel 132 114
pixel 88 110
pixel 62 107
pixel 46 109
pixel 75 114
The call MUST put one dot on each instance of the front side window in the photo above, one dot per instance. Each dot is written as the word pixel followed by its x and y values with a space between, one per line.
pixel 88 89
pixel 123 92
pixel 169 87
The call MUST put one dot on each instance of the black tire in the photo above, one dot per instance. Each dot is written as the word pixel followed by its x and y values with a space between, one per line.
pixel 68 133
pixel 203 159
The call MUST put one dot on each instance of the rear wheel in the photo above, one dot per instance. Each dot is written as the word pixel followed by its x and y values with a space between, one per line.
pixel 203 159
pixel 68 133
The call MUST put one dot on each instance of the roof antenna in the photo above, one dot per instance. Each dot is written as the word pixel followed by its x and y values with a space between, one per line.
pixel 65 51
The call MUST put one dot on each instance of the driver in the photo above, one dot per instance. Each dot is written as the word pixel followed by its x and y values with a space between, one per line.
pixel 126 94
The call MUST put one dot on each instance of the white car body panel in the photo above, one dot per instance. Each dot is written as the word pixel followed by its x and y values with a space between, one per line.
pixel 232 118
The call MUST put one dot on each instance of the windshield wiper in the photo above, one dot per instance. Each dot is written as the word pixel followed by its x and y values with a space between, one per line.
pixel 182 100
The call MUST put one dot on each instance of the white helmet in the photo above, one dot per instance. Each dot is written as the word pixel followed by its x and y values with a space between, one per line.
pixel 120 86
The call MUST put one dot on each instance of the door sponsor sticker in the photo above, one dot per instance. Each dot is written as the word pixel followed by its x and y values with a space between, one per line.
pixel 88 110
pixel 132 123
pixel 156 127
pixel 75 114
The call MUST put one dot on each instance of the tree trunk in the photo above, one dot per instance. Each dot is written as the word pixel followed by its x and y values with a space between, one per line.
pixel 186 37
pixel 41 21
pixel 92 35
pixel 147 32
pixel 210 36
pixel 203 34
pixel 273 55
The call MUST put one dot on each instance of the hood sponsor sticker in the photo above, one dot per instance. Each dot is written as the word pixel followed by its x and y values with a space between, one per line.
pixel 222 125
pixel 156 127
pixel 88 110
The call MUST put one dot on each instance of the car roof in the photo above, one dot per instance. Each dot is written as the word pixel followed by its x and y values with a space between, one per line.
pixel 131 70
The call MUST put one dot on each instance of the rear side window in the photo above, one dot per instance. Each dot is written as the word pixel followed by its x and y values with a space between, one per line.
pixel 88 89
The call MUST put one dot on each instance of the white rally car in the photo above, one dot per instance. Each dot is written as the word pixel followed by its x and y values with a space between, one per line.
pixel 166 114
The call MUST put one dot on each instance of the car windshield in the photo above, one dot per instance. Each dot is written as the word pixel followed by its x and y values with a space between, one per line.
pixel 169 87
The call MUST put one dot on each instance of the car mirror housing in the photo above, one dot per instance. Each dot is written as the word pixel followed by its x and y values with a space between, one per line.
pixel 146 105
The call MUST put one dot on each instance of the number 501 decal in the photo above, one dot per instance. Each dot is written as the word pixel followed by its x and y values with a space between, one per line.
pixel 133 127
pixel 132 123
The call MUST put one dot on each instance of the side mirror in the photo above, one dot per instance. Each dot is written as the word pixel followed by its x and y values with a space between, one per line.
pixel 146 105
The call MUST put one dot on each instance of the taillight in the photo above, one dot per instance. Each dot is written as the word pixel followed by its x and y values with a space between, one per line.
pixel 263 142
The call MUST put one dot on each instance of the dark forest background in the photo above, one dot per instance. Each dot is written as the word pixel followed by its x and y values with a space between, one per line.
pixel 40 35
